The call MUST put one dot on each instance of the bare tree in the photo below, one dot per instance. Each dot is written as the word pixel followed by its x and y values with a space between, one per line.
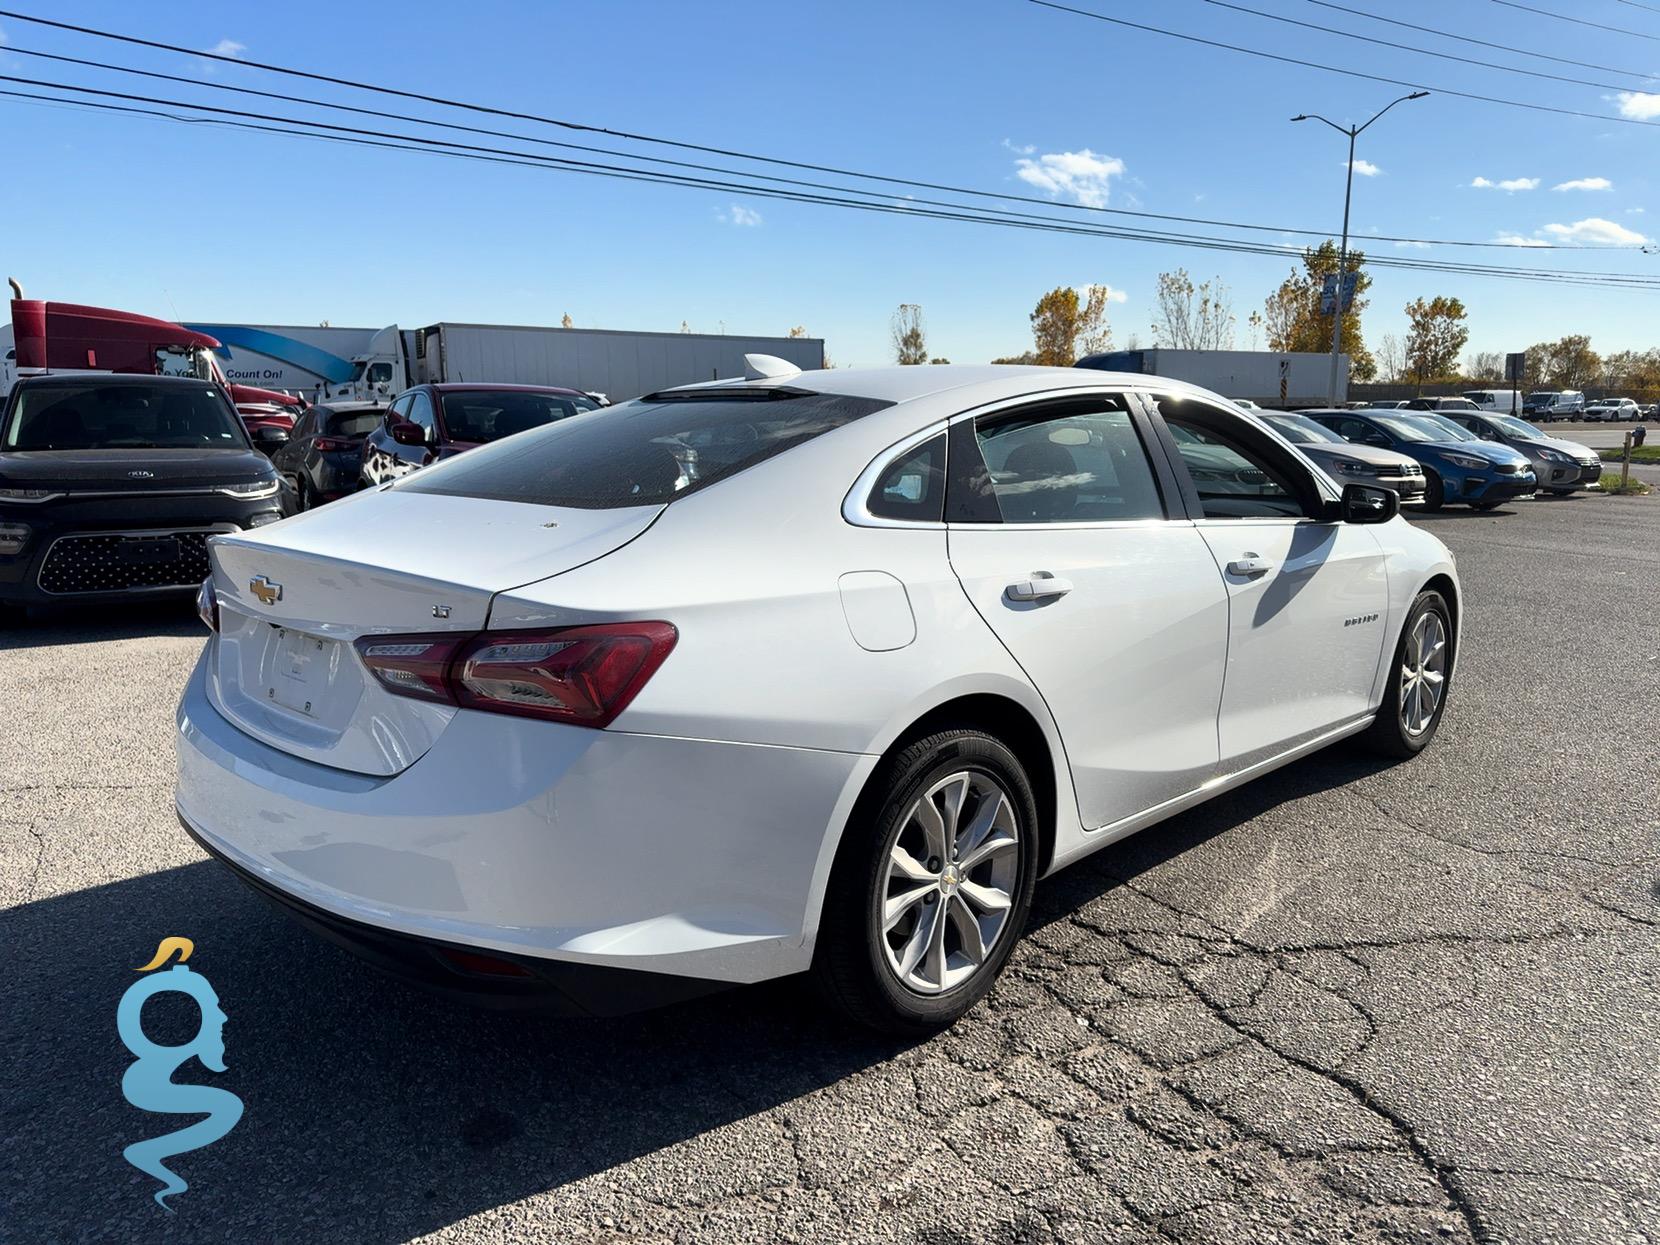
pixel 1391 358
pixel 1193 317
pixel 1254 324
pixel 909 342
pixel 799 330
pixel 1484 365
pixel 566 322
pixel 1094 333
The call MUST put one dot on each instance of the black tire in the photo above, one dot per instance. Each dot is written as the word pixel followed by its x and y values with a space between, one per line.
pixel 1561 492
pixel 303 490
pixel 1389 734
pixel 1485 505
pixel 851 964
pixel 1435 494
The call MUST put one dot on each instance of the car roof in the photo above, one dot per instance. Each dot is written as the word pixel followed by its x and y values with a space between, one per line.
pixel 906 384
pixel 113 378
pixel 477 387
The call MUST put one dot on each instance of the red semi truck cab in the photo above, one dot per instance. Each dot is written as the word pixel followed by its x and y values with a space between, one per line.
pixel 67 337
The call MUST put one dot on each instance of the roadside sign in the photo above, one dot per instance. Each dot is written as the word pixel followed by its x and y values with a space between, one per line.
pixel 1328 291
pixel 1515 366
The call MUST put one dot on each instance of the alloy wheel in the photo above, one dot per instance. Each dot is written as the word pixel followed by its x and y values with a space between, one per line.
pixel 1423 673
pixel 952 870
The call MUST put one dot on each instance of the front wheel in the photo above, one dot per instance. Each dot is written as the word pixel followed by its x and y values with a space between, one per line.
pixel 1416 694
pixel 931 885
pixel 1435 494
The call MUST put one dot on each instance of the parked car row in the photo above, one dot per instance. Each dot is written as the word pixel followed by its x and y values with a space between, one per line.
pixel 1543 406
pixel 1467 456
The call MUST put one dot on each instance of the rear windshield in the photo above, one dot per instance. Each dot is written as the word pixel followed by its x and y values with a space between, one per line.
pixel 354 423
pixel 645 452
pixel 114 415
pixel 482 415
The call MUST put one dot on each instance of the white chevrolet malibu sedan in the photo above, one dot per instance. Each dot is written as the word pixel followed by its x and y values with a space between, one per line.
pixel 806 672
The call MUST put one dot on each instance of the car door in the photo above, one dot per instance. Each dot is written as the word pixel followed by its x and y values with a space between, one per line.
pixel 378 445
pixel 1308 595
pixel 407 458
pixel 1063 535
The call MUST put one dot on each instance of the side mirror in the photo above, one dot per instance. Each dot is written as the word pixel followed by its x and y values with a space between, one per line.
pixel 1367 503
pixel 407 432
pixel 268 437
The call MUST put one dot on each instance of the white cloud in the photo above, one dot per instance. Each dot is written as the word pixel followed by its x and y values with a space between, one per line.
pixel 739 215
pixel 1114 295
pixel 1417 246
pixel 1516 239
pixel 1019 149
pixel 1366 168
pixel 1594 229
pixel 1585 183
pixel 228 47
pixel 1634 211
pixel 1081 176
pixel 1638 105
pixel 1510 183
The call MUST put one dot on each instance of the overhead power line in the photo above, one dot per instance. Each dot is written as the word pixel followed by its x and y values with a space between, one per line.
pixel 291 98
pixel 1407 47
pixel 1485 43
pixel 1578 21
pixel 442 101
pixel 240 119
pixel 1348 73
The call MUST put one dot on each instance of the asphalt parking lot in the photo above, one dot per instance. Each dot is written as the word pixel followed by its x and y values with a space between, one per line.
pixel 1345 1002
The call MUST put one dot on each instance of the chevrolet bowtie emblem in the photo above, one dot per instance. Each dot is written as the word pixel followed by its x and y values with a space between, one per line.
pixel 266 590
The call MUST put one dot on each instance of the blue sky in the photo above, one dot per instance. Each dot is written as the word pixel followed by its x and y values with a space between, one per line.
pixel 208 224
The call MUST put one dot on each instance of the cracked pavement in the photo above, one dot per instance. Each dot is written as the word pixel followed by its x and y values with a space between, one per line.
pixel 1346 1002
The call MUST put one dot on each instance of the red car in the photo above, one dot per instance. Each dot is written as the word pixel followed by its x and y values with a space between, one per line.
pixel 426 423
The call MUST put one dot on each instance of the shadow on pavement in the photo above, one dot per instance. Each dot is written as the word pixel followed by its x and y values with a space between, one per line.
pixel 375 1114
pixel 51 626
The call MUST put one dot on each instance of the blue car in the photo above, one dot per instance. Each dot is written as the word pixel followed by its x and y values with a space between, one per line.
pixel 1481 474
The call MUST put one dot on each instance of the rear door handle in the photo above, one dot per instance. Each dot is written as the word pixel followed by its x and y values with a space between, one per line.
pixel 1250 566
pixel 1040 587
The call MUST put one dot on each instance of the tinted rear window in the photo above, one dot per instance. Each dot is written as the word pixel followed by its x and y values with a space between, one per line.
pixel 645 452
pixel 354 423
pixel 486 415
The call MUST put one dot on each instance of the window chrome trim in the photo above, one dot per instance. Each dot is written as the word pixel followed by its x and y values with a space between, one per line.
pixel 855 506
pixel 854 509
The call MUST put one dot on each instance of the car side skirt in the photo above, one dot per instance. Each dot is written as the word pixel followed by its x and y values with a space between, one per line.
pixel 1095 840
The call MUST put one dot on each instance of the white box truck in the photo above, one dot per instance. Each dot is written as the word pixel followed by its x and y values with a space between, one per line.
pixel 1266 377
pixel 616 363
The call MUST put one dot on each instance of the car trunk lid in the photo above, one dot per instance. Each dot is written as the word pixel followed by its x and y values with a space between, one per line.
pixel 294 597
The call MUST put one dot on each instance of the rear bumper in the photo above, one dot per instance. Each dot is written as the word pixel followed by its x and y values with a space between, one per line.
pixel 533 841
pixel 544 987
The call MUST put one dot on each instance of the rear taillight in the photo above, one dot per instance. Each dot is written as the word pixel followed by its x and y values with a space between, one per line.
pixel 412 665
pixel 207 605
pixel 582 675
pixel 330 445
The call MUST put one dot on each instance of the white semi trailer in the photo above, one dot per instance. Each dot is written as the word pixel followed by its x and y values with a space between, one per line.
pixel 1269 378
pixel 616 363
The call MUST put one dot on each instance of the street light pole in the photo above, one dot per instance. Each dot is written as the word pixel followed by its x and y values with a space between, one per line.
pixel 1353 132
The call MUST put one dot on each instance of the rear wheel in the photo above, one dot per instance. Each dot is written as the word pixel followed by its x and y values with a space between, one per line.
pixel 931 885
pixel 1435 496
pixel 1416 694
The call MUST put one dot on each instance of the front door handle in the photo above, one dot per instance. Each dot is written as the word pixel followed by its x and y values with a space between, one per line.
pixel 1040 587
pixel 1250 566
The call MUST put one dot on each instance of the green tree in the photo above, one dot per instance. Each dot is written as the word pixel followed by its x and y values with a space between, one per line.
pixel 1056 321
pixel 1436 332
pixel 1025 358
pixel 1293 317
pixel 910 344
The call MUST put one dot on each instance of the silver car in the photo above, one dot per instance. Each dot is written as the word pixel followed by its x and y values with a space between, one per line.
pixel 1344 460
pixel 1561 466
